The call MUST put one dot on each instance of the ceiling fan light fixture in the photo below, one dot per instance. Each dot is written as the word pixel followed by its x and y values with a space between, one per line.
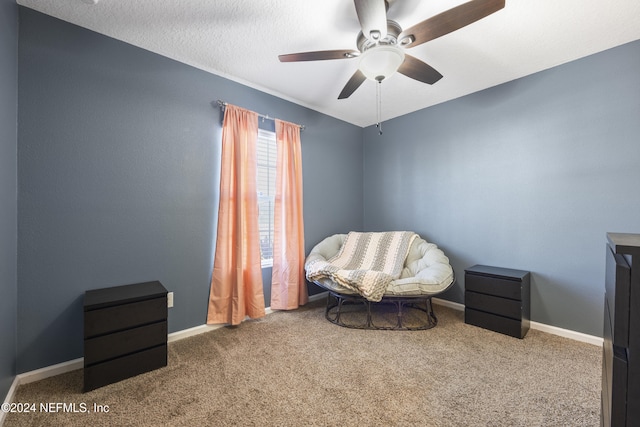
pixel 379 62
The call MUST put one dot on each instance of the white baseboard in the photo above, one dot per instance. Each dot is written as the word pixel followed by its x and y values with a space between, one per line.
pixel 567 333
pixel 316 297
pixel 9 398
pixel 50 371
pixel 37 375
pixel 554 330
pixel 197 330
pixel 450 304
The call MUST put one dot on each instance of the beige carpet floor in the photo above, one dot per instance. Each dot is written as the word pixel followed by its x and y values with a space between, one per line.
pixel 297 369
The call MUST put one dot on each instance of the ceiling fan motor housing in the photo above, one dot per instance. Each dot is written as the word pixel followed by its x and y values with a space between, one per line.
pixel 393 31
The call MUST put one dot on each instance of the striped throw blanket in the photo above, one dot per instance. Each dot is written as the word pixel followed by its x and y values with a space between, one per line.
pixel 366 262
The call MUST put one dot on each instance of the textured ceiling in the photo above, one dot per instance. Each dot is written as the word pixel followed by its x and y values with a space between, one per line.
pixel 241 40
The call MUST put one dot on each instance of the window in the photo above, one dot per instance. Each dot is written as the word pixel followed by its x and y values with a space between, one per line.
pixel 266 187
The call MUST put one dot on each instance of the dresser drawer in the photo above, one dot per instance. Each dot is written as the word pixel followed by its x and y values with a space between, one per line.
pixel 617 294
pixel 111 319
pixel 493 286
pixel 492 304
pixel 614 376
pixel 110 346
pixel 619 387
pixel 118 369
pixel 493 322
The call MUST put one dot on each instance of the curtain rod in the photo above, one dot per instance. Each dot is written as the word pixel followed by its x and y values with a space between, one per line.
pixel 223 104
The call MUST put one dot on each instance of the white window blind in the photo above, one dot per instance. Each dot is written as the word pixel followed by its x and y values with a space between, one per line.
pixel 266 185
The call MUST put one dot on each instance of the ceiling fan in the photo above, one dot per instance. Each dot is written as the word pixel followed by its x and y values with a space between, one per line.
pixel 382 42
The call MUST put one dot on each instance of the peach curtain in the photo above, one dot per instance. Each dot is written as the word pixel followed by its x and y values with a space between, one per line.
pixel 288 285
pixel 236 283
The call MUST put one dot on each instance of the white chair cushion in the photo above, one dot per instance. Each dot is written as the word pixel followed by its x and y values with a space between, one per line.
pixel 426 270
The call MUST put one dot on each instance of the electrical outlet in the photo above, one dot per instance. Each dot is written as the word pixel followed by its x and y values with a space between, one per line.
pixel 170 299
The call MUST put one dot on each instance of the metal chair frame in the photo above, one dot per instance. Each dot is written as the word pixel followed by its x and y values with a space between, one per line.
pixel 422 303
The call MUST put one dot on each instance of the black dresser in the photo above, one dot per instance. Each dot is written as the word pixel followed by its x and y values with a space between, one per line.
pixel 125 332
pixel 620 398
pixel 497 299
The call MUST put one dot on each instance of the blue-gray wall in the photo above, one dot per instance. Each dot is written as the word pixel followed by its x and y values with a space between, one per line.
pixel 530 174
pixel 8 190
pixel 118 164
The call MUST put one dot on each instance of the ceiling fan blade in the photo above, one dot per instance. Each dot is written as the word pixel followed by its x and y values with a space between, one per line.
pixel 372 15
pixel 354 83
pixel 319 55
pixel 451 20
pixel 418 70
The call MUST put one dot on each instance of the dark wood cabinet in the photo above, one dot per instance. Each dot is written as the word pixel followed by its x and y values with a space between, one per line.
pixel 125 332
pixel 620 397
pixel 498 299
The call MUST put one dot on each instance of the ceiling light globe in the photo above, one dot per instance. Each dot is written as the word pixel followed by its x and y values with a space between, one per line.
pixel 379 62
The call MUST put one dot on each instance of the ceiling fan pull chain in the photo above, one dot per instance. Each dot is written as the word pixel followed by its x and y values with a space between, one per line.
pixel 379 106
